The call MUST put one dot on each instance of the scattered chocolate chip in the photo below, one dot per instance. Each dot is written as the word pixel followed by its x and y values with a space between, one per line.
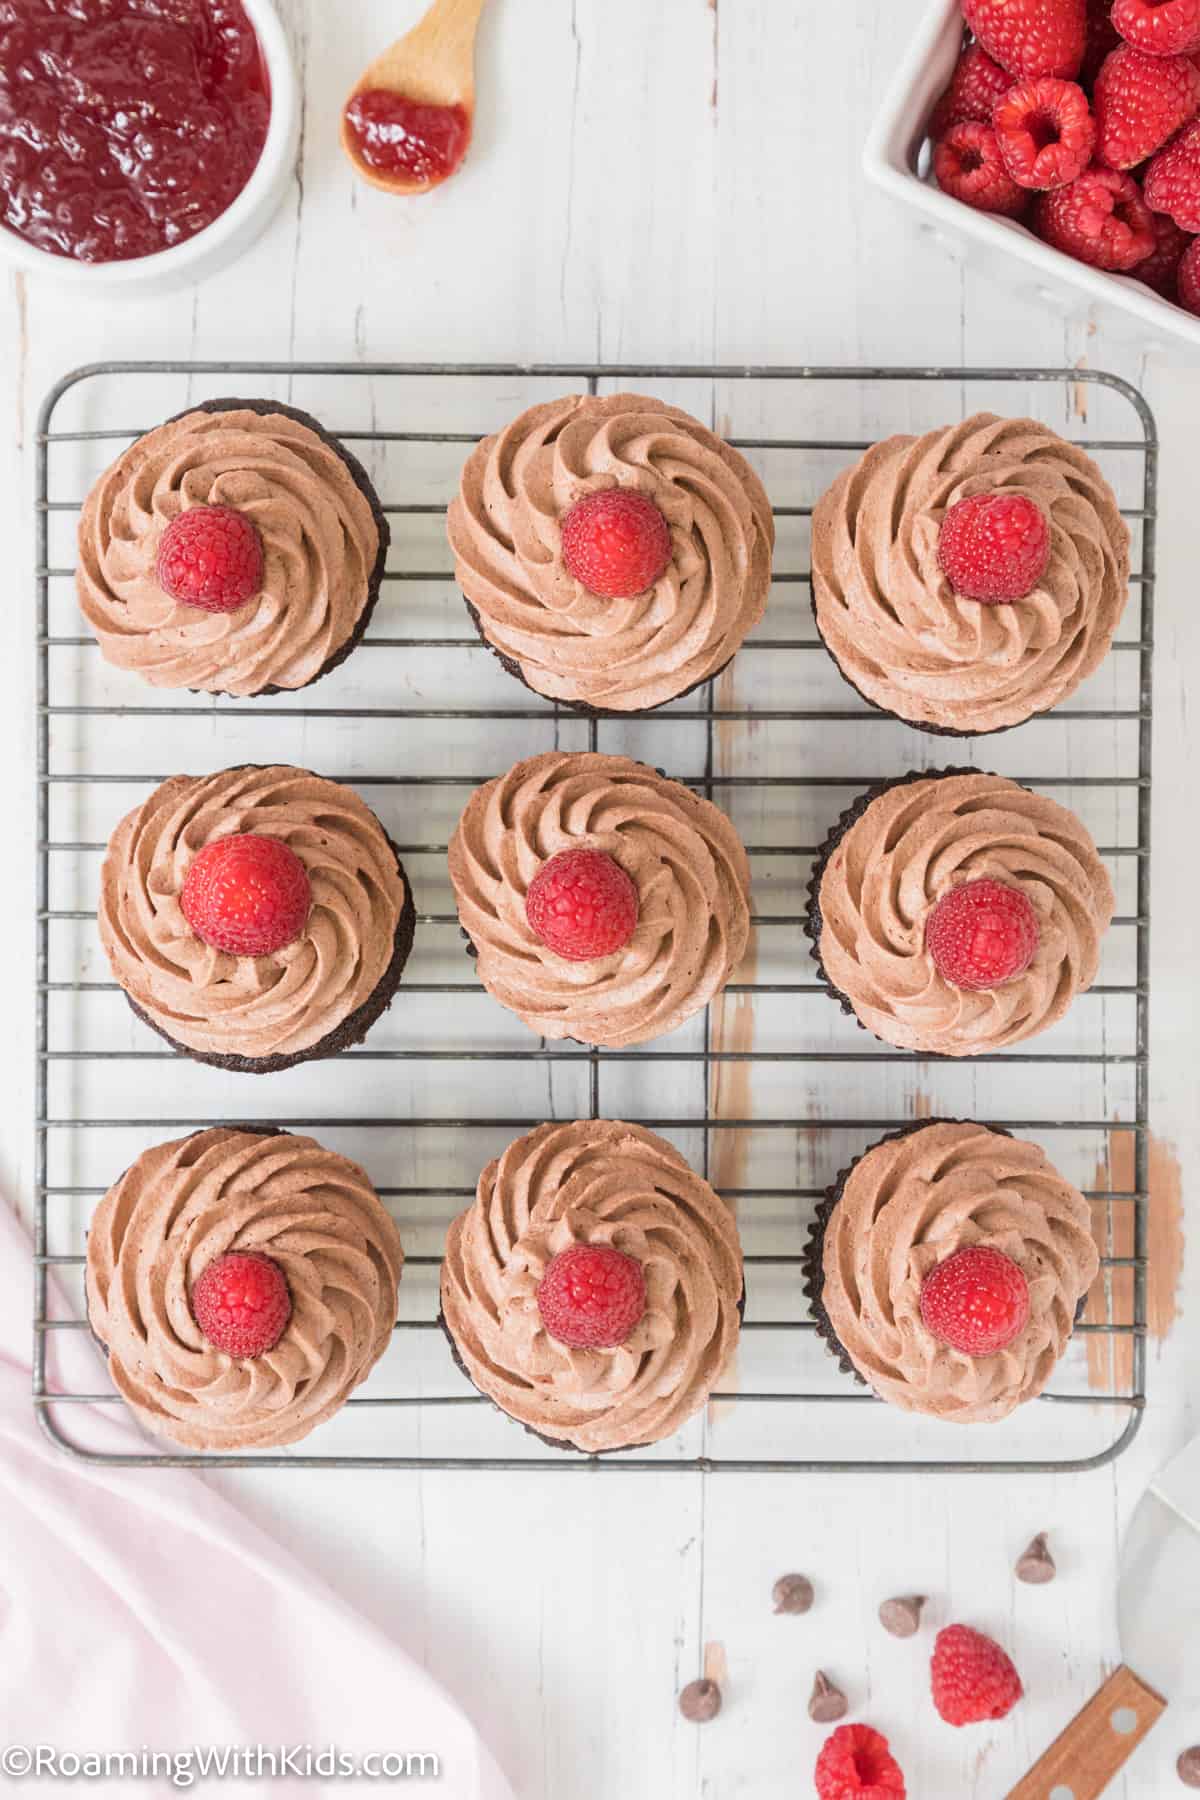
pixel 902 1616
pixel 700 1701
pixel 828 1703
pixel 1036 1565
pixel 792 1594
pixel 1188 1767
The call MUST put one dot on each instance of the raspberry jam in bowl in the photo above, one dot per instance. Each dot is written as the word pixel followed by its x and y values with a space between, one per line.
pixel 140 139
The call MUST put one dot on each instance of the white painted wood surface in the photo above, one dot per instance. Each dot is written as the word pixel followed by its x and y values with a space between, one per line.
pixel 667 180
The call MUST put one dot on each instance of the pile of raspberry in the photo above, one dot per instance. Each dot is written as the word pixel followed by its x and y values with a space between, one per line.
pixel 1081 118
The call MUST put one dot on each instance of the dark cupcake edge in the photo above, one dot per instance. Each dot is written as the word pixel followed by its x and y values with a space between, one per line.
pixel 579 706
pixel 366 488
pixel 355 1026
pixel 886 712
pixel 813 919
pixel 555 1443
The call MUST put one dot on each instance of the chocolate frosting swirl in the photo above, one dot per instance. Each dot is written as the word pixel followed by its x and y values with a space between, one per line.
pixel 184 1204
pixel 899 632
pixel 594 1182
pixel 572 645
pixel 903 851
pixel 320 542
pixel 910 1203
pixel 686 860
pixel 251 1006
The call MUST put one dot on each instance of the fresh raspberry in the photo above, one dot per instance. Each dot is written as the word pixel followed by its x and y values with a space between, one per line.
pixel 994 547
pixel 1161 269
pixel 982 934
pixel 856 1763
pixel 248 895
pixel 975 86
pixel 1141 101
pixel 977 1301
pixel 241 1303
pixel 211 557
pixel 1159 27
pixel 972 1677
pixel 1172 184
pixel 968 166
pixel 1045 131
pixel 1102 36
pixel 1189 278
pixel 592 1296
pixel 616 542
pixel 582 905
pixel 1100 219
pixel 1031 37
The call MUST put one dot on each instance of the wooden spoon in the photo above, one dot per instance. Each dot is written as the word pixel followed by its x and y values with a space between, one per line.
pixel 432 69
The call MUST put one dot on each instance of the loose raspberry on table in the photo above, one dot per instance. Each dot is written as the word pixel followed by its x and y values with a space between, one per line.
pixel 211 557
pixel 582 905
pixel 977 1301
pixel 1099 219
pixel 1159 27
pixel 856 1763
pixel 591 1297
pixel 1045 131
pixel 1189 278
pixel 1140 102
pixel 1031 37
pixel 972 1677
pixel 1161 268
pixel 968 166
pixel 994 548
pixel 982 934
pixel 1172 184
pixel 975 86
pixel 241 1303
pixel 247 895
pixel 617 542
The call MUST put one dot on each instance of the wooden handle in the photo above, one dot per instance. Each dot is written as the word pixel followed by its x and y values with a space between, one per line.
pixel 1097 1744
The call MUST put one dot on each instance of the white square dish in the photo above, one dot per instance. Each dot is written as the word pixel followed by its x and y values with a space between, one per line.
pixel 896 160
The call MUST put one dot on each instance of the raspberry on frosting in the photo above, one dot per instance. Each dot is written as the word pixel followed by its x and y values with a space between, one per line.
pixel 616 542
pixel 211 557
pixel 582 905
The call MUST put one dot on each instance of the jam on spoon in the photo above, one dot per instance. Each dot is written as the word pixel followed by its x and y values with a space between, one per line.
pixel 397 136
pixel 126 126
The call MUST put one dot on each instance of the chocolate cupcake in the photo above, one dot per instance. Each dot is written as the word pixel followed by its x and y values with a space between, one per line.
pixel 660 865
pixel 958 912
pixel 903 630
pixel 286 1252
pixel 594 1288
pixel 282 581
pixel 207 863
pixel 946 1267
pixel 613 551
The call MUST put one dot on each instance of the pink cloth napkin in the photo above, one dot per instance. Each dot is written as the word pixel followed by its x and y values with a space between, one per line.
pixel 138 1608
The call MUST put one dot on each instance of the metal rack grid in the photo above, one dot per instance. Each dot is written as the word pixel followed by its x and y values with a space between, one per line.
pixel 1128 1393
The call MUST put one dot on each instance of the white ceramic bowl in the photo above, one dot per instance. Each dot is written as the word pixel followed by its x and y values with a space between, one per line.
pixel 237 227
pixel 893 161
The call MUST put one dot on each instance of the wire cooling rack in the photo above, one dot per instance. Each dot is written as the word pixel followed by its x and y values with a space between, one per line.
pixel 771 1092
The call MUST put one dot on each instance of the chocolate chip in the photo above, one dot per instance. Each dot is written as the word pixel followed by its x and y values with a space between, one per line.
pixel 1035 1565
pixel 1188 1767
pixel 792 1594
pixel 700 1701
pixel 828 1703
pixel 902 1615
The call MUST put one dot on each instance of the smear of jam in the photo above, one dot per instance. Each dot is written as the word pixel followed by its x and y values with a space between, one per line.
pixel 126 126
pixel 397 136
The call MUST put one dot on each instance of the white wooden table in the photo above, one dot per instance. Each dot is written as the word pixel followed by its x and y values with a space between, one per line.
pixel 674 181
